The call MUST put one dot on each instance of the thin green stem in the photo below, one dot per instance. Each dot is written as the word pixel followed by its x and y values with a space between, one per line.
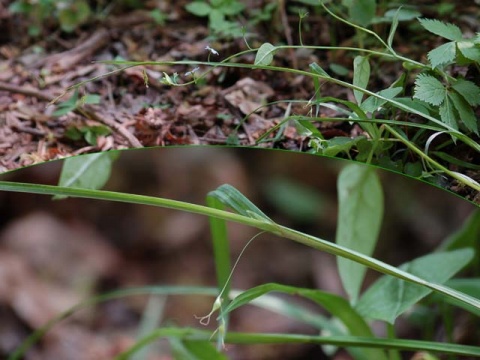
pixel 263 224
pixel 457 176
pixel 341 341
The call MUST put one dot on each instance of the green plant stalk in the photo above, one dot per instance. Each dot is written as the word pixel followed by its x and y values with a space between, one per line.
pixel 427 158
pixel 265 225
pixel 345 84
pixel 341 341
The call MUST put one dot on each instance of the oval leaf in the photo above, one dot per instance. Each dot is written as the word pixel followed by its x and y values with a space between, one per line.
pixel 265 54
pixel 87 171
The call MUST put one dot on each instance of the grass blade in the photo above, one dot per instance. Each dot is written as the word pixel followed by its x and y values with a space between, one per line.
pixel 259 223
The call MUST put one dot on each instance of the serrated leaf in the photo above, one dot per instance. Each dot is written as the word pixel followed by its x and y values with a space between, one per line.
pixel 448 115
pixel 429 89
pixel 265 54
pixel 443 54
pixel 361 76
pixel 360 213
pixel 390 297
pixel 469 49
pixel 90 171
pixel 198 8
pixel 446 30
pixel 464 111
pixel 469 91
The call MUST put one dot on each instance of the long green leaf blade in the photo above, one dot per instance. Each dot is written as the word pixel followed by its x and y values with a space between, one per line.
pixel 360 214
pixel 262 224
pixel 342 341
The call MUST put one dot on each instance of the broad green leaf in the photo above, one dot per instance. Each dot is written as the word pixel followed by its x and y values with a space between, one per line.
pixel 470 50
pixel 373 103
pixel 232 7
pixel 216 19
pixel 265 54
pixel 469 91
pixel 90 171
pixel 72 16
pixel 470 286
pixel 360 213
pixel 317 69
pixel 67 106
pixel 443 54
pixel 445 30
pixel 361 76
pixel 90 99
pixel 334 304
pixel 362 12
pixel 199 8
pixel 389 297
pixel 448 114
pixel 429 89
pixel 464 110
pixel 234 199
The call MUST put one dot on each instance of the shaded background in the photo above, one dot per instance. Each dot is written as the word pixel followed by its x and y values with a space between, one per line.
pixel 53 254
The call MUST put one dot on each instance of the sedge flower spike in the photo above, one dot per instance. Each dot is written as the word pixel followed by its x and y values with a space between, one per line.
pixel 212 51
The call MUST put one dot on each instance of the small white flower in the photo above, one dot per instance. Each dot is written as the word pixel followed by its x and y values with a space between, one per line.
pixel 191 72
pixel 213 51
